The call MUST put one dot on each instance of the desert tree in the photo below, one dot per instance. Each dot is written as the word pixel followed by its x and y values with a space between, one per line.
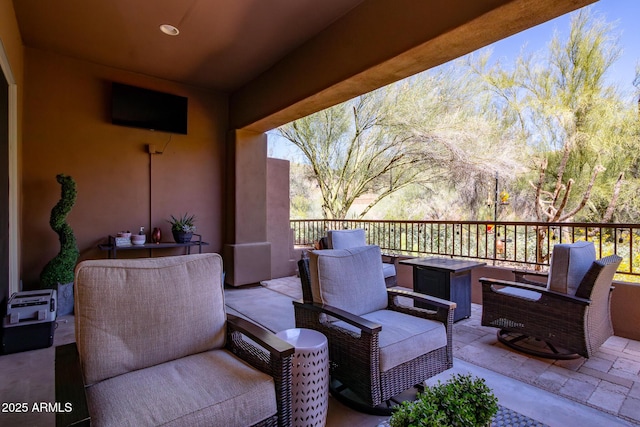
pixel 352 150
pixel 425 132
pixel 563 105
pixel 453 122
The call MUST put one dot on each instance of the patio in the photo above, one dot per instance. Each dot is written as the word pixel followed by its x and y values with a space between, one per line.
pixel 604 390
pixel 57 120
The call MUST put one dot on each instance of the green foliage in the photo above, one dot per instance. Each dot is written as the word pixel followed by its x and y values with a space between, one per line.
pixel 464 401
pixel 185 223
pixel 303 193
pixel 420 132
pixel 583 130
pixel 451 129
pixel 421 413
pixel 60 269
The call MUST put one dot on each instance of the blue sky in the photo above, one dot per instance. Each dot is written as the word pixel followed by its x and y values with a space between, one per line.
pixel 625 14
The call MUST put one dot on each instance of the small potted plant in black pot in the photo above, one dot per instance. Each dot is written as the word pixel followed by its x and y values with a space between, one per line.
pixel 182 228
pixel 464 401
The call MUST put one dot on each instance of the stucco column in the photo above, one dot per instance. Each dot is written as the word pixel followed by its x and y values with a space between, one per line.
pixel 247 254
pixel 279 232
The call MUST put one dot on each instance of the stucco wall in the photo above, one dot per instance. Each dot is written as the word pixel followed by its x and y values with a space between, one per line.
pixel 278 225
pixel 625 310
pixel 120 186
pixel 356 54
pixel 13 66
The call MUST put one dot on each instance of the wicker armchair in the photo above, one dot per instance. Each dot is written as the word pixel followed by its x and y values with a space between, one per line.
pixel 155 347
pixel 377 347
pixel 548 323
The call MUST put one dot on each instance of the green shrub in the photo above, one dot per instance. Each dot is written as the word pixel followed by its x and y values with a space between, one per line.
pixel 464 401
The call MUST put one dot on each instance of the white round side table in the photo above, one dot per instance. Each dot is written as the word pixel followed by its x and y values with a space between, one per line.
pixel 310 372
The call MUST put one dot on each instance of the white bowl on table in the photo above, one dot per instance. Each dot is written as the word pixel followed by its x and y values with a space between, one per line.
pixel 138 239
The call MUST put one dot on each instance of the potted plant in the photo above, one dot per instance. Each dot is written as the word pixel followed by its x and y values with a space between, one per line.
pixel 464 401
pixel 182 228
pixel 59 272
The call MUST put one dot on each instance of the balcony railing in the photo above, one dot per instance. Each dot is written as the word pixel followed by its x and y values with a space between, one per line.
pixel 520 243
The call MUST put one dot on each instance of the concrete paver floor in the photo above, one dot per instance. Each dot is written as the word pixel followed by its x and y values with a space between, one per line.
pixel 601 391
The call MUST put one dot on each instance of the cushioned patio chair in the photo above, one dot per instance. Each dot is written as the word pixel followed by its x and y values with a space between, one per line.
pixel 378 348
pixel 568 318
pixel 155 347
pixel 344 239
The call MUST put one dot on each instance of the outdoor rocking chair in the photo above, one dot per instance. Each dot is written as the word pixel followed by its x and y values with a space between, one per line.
pixel 377 347
pixel 567 319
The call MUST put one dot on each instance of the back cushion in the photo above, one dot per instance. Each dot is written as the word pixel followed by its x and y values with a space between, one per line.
pixel 343 239
pixel 131 314
pixel 349 279
pixel 569 264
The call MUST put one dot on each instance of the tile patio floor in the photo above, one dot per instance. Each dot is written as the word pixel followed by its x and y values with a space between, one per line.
pixel 601 391
pixel 608 382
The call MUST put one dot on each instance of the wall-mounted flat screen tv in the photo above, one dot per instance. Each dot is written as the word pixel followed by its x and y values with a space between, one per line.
pixel 148 109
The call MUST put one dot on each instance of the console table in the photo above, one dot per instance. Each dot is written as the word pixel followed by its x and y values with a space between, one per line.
pixel 445 278
pixel 114 249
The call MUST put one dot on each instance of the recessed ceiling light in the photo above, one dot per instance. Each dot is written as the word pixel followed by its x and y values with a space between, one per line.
pixel 169 30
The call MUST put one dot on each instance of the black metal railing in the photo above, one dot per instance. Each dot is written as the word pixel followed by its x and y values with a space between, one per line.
pixel 521 243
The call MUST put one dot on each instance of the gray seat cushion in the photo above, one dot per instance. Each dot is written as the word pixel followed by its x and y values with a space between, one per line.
pixel 388 270
pixel 207 389
pixel 343 239
pixel 569 264
pixel 349 279
pixel 520 293
pixel 403 337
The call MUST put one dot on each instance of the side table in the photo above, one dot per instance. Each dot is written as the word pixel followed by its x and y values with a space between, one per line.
pixel 310 373
pixel 445 278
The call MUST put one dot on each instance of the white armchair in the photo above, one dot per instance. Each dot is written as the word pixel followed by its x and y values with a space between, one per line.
pixel 155 347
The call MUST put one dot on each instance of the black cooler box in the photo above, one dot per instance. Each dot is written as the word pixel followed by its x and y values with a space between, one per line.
pixel 30 321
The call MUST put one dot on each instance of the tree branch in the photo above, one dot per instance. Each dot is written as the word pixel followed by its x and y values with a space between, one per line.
pixel 587 193
pixel 614 199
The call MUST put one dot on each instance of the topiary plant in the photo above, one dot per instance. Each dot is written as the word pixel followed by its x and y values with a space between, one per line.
pixel 464 401
pixel 61 268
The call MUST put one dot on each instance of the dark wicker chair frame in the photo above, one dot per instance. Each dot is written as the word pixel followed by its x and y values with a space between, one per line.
pixel 571 326
pixel 273 357
pixel 354 358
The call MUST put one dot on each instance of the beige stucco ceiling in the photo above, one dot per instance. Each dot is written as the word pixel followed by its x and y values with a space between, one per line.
pixel 222 43
pixel 278 59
